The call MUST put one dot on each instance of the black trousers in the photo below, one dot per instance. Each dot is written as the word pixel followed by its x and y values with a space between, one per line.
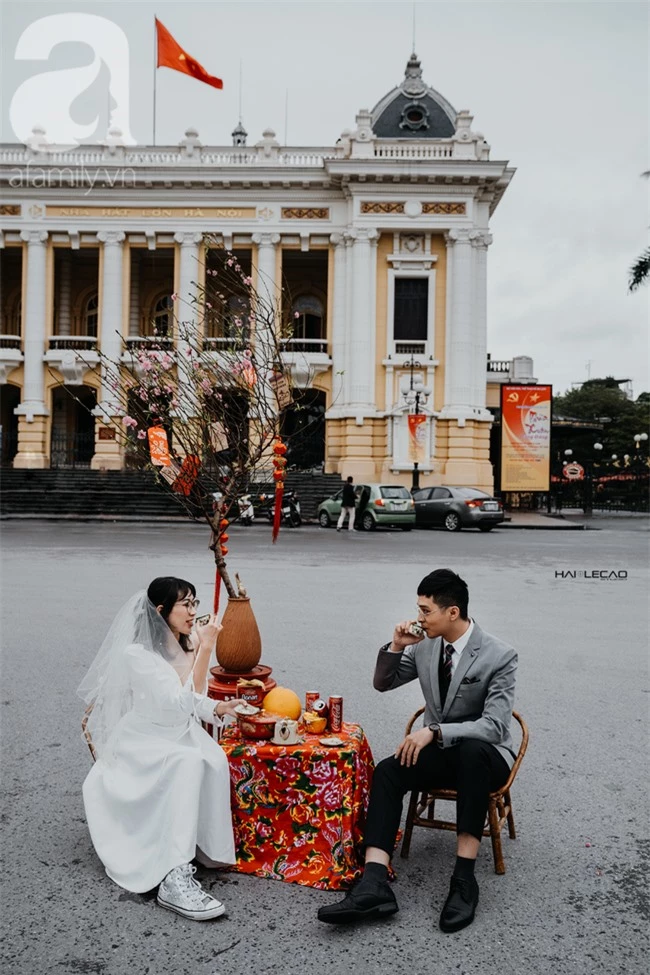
pixel 474 768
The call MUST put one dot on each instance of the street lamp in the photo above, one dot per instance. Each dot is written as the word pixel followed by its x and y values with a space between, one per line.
pixel 414 392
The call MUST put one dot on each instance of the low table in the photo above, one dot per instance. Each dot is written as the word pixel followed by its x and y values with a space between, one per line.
pixel 299 810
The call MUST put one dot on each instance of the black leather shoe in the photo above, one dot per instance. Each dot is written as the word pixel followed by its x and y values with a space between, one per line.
pixel 460 906
pixel 367 901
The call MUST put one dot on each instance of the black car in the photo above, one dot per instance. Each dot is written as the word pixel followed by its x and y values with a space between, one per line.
pixel 457 507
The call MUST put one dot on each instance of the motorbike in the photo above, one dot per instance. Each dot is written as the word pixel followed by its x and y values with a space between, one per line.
pixel 291 515
pixel 246 513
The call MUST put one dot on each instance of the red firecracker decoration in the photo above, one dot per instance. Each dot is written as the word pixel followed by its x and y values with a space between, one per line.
pixel 279 462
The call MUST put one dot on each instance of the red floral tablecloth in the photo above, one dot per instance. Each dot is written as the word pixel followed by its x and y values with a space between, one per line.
pixel 299 810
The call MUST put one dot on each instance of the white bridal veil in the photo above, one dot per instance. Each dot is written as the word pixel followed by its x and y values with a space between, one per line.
pixel 106 688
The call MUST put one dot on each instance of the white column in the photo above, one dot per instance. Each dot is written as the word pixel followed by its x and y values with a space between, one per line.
pixel 33 402
pixel 459 353
pixel 111 310
pixel 480 241
pixel 362 325
pixel 63 324
pixel 134 295
pixel 349 281
pixel 266 261
pixel 339 370
pixel 269 294
pixel 184 310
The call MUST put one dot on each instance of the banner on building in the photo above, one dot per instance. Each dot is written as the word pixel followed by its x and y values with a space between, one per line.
pixel 417 437
pixel 525 438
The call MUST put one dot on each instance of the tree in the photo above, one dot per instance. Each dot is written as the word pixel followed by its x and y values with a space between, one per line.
pixel 641 268
pixel 205 414
pixel 639 271
pixel 601 401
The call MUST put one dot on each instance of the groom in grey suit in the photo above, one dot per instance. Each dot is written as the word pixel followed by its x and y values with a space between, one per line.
pixel 467 678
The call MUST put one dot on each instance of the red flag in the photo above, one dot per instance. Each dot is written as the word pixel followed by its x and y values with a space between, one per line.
pixel 172 55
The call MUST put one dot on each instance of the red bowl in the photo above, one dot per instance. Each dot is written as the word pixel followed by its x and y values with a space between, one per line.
pixel 257 726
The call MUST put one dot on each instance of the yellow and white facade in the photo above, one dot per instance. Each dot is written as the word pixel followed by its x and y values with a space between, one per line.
pixel 381 241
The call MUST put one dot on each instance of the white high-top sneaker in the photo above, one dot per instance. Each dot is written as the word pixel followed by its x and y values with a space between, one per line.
pixel 180 892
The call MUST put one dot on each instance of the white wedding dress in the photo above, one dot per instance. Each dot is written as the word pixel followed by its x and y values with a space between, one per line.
pixel 161 788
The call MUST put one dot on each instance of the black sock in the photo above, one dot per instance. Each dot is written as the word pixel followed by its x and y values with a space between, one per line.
pixel 464 868
pixel 375 871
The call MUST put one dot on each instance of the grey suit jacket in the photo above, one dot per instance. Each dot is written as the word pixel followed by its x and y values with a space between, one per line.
pixel 481 695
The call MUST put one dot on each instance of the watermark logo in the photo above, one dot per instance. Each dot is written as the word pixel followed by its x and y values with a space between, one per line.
pixel 77 177
pixel 45 100
pixel 601 575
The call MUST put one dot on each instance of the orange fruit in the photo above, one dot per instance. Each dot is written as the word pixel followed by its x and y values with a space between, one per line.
pixel 283 702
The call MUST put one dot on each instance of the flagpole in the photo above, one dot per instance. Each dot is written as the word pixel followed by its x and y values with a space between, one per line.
pixel 155 65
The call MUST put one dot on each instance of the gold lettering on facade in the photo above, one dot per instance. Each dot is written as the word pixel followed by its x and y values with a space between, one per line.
pixel 174 213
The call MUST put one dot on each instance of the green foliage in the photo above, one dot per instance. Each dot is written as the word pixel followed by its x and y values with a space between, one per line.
pixel 639 271
pixel 602 401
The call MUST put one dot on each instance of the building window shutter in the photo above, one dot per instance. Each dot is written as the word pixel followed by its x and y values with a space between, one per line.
pixel 411 307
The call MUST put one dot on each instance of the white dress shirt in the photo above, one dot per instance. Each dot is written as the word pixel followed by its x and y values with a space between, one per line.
pixel 459 645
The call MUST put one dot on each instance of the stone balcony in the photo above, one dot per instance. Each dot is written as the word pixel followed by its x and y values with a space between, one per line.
pixel 72 355
pixel 11 355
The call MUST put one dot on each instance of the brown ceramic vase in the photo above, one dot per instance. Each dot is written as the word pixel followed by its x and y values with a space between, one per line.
pixel 239 646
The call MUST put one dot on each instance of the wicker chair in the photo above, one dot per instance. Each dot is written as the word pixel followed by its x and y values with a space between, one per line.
pixel 86 733
pixel 421 811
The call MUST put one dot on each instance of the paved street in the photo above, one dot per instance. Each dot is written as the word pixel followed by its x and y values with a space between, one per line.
pixel 573 900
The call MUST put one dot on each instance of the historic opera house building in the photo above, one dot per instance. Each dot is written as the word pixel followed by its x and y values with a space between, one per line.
pixel 380 241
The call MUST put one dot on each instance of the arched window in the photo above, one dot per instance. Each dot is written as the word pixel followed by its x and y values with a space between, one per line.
pixel 229 320
pixel 308 315
pixel 162 315
pixel 90 314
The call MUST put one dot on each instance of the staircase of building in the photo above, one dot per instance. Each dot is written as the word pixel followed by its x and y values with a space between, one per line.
pixel 86 495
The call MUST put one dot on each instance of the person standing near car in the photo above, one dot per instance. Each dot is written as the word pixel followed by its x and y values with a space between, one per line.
pixel 348 500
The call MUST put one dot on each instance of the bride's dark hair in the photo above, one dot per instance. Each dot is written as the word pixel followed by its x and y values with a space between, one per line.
pixel 166 591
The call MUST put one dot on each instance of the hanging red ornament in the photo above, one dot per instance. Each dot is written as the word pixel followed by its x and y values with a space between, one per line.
pixel 279 450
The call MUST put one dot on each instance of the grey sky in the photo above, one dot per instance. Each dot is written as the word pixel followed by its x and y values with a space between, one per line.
pixel 558 89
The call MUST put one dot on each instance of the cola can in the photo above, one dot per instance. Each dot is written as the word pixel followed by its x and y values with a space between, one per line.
pixel 310 698
pixel 335 704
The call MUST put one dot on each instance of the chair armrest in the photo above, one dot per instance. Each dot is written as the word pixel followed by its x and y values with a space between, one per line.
pixel 412 720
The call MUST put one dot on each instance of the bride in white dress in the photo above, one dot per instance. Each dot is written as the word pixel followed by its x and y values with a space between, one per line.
pixel 159 792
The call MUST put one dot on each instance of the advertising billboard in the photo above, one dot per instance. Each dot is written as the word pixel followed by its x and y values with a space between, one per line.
pixel 526 437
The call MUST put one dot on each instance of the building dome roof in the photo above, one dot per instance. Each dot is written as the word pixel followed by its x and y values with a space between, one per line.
pixel 413 110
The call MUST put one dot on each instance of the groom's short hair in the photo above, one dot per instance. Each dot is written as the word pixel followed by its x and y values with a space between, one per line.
pixel 446 589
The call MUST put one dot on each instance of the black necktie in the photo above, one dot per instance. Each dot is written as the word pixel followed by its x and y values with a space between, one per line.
pixel 444 671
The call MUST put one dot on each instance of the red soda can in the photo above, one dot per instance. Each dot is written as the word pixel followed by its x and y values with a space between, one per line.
pixel 310 698
pixel 335 704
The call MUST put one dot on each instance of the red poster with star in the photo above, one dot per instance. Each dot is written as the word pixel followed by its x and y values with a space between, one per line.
pixel 526 437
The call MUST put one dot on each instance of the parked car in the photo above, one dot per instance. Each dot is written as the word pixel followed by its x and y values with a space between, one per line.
pixel 457 507
pixel 378 505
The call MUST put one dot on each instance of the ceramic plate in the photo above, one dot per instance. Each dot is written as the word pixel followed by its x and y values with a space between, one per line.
pixel 331 741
